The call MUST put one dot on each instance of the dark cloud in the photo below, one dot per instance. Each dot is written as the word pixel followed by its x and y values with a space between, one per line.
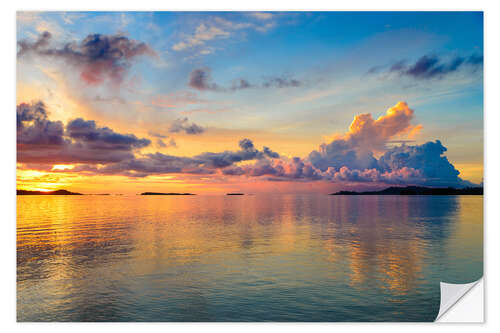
pixel 339 153
pixel 269 153
pixel 158 163
pixel 33 127
pixel 427 159
pixel 432 66
pixel 183 125
pixel 201 79
pixel 98 57
pixel 281 82
pixel 40 140
pixel 161 143
pixel 86 132
pixel 157 135
pixel 227 158
pixel 241 84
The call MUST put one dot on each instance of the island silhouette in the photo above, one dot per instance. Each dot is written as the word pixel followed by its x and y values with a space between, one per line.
pixel 57 192
pixel 418 190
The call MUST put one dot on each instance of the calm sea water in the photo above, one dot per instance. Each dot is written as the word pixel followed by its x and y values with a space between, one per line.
pixel 243 258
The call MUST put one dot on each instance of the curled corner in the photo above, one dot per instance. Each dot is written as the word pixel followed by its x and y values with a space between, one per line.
pixel 451 293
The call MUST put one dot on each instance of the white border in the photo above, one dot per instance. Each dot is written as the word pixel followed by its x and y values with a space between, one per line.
pixel 7 132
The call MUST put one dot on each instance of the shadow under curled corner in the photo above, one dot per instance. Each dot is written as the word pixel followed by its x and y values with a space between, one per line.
pixel 454 298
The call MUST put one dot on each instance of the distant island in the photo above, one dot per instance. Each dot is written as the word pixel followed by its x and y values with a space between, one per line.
pixel 418 190
pixel 157 193
pixel 235 194
pixel 58 192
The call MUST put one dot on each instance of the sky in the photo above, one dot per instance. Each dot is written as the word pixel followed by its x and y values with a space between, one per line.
pixel 216 102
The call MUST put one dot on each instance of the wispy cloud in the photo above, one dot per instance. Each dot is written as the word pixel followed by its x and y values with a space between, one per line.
pixel 262 15
pixel 218 28
pixel 202 34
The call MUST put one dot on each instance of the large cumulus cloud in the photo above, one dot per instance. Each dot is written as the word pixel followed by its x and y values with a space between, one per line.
pixel 355 148
pixel 422 164
pixel 352 157
pixel 98 57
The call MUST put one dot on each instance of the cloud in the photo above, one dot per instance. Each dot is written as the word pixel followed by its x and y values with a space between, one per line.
pixel 31 22
pixel 201 79
pixel 227 158
pixel 171 143
pixel 182 125
pixel 419 164
pixel 40 140
pixel 240 84
pixel 281 82
pixel 98 57
pixel 86 132
pixel 427 158
pixel 201 35
pixel 403 165
pixel 217 28
pixel 293 169
pixel 262 15
pixel 157 135
pixel 160 140
pixel 33 127
pixel 432 66
pixel 158 163
pixel 355 148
